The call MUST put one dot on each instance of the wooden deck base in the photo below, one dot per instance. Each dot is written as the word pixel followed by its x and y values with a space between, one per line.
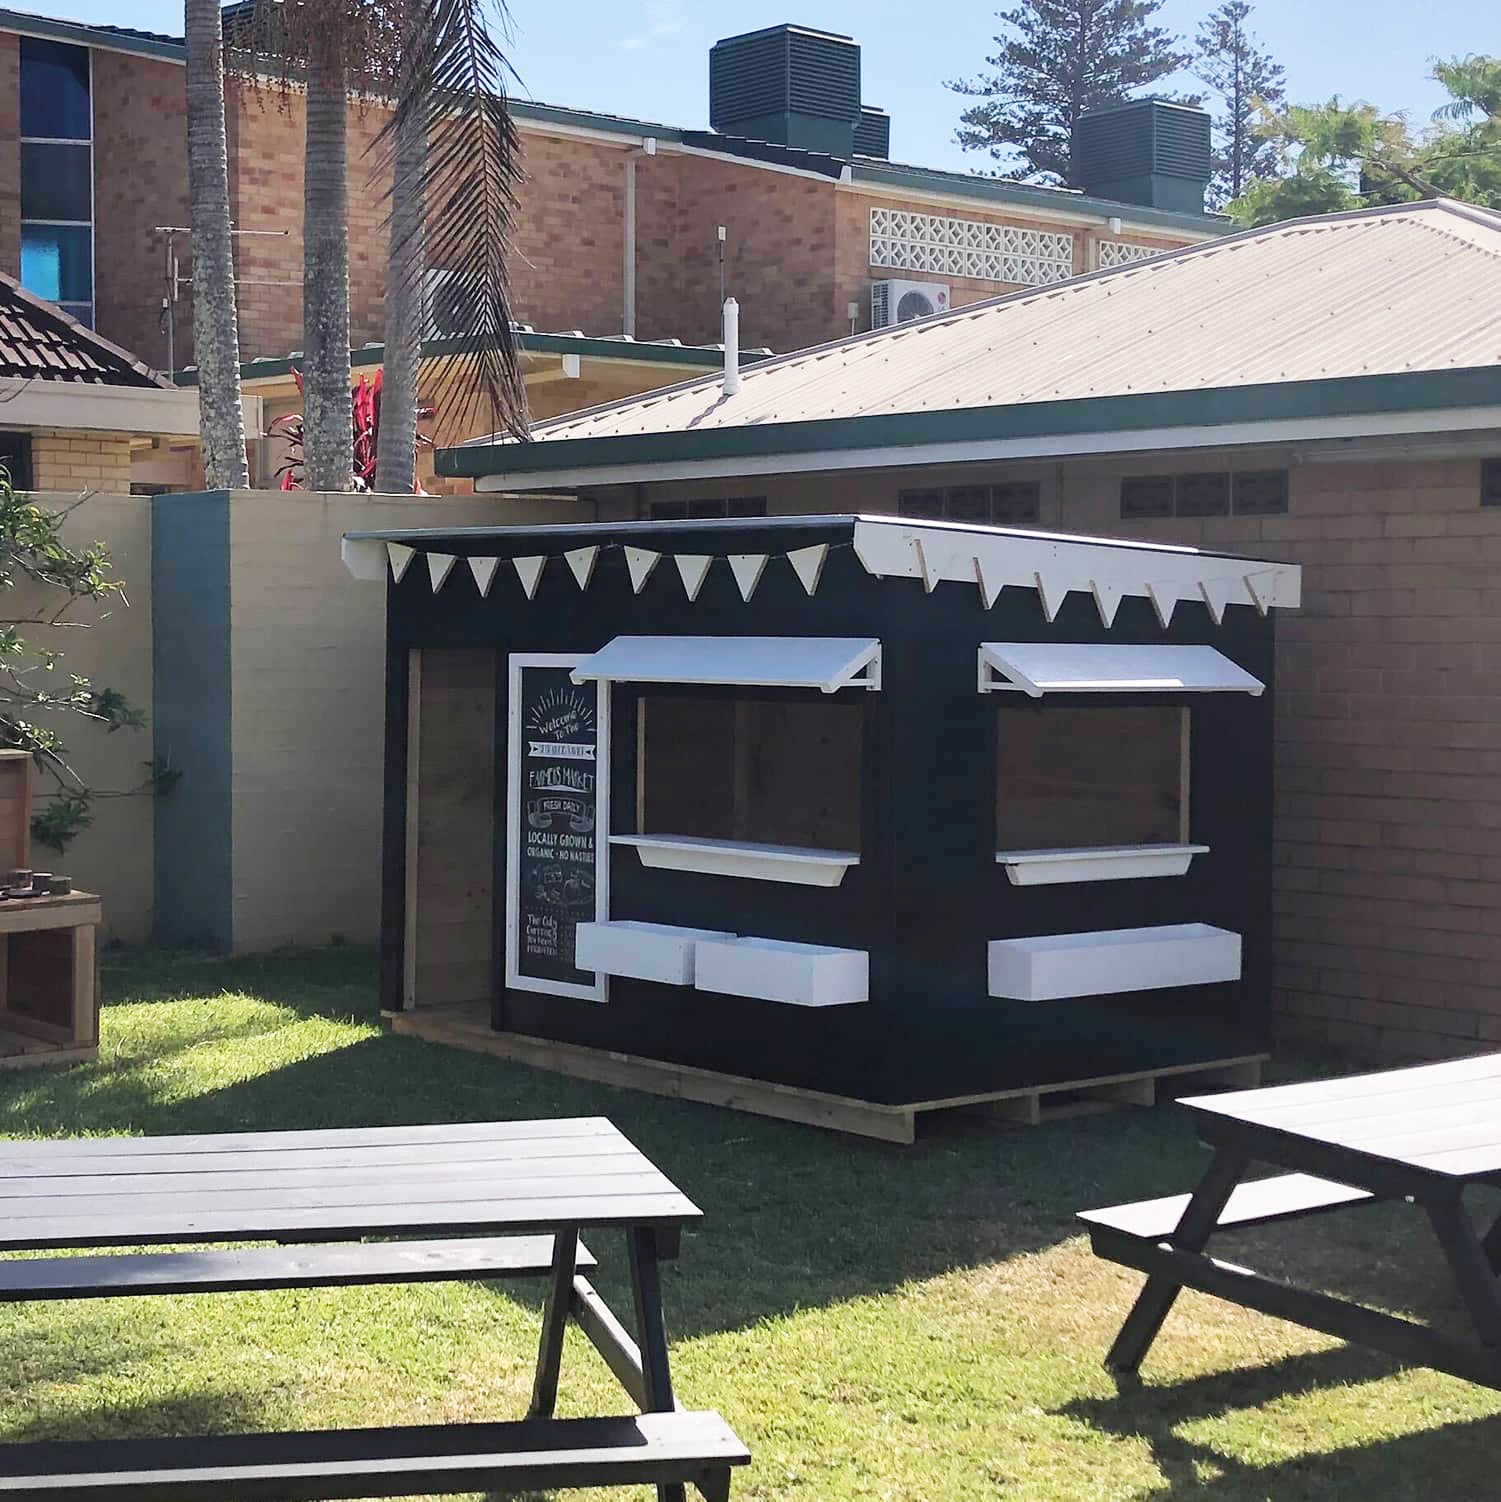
pixel 468 1026
pixel 22 1051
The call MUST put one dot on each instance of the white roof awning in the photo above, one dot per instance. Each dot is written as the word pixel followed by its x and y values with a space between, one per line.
pixel 1038 668
pixel 827 663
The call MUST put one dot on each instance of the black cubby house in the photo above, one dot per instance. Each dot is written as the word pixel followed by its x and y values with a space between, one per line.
pixel 878 814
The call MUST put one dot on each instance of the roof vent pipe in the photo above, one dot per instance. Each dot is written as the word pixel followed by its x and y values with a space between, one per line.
pixel 731 346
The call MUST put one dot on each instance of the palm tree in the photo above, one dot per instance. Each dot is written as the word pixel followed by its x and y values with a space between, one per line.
pixel 450 147
pixel 216 340
pixel 396 445
pixel 328 445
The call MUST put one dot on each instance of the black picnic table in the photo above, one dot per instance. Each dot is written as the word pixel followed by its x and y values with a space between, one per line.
pixel 502 1199
pixel 1428 1135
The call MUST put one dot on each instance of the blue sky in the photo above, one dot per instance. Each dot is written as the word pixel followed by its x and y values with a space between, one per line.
pixel 649 58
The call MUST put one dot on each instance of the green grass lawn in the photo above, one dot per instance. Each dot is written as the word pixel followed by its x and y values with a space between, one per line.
pixel 919 1323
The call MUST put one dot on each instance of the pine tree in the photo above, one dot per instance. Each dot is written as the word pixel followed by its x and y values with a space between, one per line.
pixel 1056 59
pixel 1228 59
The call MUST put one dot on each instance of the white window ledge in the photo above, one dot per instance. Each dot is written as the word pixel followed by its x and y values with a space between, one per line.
pixel 1046 868
pixel 802 975
pixel 793 864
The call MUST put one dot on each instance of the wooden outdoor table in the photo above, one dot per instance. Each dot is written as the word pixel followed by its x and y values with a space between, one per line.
pixel 1426 1135
pixel 511 1198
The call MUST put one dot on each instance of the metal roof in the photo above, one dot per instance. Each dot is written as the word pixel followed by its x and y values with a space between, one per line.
pixel 40 342
pixel 1384 291
pixel 528 342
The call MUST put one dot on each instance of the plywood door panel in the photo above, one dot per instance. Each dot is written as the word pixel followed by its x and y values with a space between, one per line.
pixel 450 827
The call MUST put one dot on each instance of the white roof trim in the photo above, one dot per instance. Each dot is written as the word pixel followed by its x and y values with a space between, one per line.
pixel 1055 566
pixel 827 663
pixel 1038 668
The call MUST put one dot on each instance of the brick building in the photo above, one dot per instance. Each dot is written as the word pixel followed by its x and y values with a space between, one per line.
pixel 93 165
pixel 1321 392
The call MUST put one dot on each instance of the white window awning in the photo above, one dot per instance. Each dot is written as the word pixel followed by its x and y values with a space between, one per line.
pixel 827 663
pixel 1039 668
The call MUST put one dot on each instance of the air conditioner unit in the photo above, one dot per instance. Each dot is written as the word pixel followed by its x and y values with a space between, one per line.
pixel 448 310
pixel 894 302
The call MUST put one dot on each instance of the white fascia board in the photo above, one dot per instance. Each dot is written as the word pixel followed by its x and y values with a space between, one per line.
pixel 1076 218
pixel 1039 668
pixel 155 411
pixel 890 548
pixel 1047 446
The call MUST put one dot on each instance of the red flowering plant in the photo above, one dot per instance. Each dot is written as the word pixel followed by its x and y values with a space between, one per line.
pixel 365 415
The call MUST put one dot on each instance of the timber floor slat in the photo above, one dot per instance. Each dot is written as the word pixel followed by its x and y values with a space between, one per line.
pixel 467 1025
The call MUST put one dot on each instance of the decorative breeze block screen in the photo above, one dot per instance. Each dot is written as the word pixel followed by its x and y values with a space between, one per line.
pixel 1122 253
pixel 966 247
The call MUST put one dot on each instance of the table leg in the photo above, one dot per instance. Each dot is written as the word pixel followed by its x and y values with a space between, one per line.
pixel 651 1331
pixel 1472 1269
pixel 554 1323
pixel 1194 1229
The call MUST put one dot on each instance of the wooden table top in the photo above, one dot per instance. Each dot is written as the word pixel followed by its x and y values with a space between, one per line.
pixel 467 1178
pixel 1442 1119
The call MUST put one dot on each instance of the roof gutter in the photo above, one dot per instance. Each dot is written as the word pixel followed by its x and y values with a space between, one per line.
pixel 1352 406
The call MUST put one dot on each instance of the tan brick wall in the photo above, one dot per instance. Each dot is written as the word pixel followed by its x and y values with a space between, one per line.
pixel 854 273
pixel 74 461
pixel 140 181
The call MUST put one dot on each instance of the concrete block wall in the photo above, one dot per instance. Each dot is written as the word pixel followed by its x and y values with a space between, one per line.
pixel 270 666
pixel 109 641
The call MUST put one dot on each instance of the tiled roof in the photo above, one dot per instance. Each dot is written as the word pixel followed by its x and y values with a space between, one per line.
pixel 1392 291
pixel 39 342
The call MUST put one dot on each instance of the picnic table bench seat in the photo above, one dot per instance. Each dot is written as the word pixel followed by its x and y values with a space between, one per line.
pixel 1256 1203
pixel 662 1449
pixel 303 1265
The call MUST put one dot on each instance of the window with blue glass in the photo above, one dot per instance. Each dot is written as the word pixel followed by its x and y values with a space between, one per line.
pixel 57 175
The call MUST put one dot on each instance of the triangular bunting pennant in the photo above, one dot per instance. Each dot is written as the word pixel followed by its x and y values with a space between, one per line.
pixel 439 566
pixel 989 582
pixel 1164 601
pixel 1107 598
pixel 747 568
pixel 693 568
pixel 1051 595
pixel 1216 596
pixel 640 562
pixel 581 561
pixel 483 570
pixel 808 564
pixel 529 570
pixel 401 559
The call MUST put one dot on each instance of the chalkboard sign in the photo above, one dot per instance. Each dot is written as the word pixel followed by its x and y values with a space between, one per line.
pixel 558 824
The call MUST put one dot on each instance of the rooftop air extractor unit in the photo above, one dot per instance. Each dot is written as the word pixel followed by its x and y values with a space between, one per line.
pixel 1144 151
pixel 893 302
pixel 789 85
pixel 449 310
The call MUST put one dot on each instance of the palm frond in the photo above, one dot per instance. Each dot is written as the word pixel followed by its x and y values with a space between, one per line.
pixel 451 83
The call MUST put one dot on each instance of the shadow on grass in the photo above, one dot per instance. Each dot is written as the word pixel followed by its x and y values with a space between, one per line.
pixel 794 1218
pixel 1406 1466
pixel 202 1412
pixel 339 981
